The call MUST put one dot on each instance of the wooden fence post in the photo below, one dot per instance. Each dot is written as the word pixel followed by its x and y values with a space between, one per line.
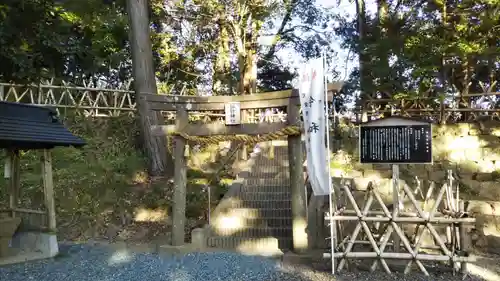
pixel 297 185
pixel 180 181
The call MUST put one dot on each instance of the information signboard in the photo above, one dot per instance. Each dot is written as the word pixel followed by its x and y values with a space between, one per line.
pixel 395 140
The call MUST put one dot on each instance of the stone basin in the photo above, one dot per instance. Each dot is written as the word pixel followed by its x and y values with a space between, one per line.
pixel 8 227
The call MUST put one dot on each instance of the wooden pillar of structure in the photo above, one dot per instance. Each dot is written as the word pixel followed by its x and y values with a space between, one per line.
pixel 48 189
pixel 297 185
pixel 14 169
pixel 316 223
pixel 180 181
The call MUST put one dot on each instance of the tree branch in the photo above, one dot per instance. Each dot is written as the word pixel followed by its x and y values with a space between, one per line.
pixel 308 28
pixel 286 19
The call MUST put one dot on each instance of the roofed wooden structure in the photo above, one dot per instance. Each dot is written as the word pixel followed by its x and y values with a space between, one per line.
pixel 26 127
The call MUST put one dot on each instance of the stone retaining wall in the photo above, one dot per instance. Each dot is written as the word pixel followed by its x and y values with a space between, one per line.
pixel 471 151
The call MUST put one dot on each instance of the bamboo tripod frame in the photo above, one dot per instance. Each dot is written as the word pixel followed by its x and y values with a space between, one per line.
pixel 446 210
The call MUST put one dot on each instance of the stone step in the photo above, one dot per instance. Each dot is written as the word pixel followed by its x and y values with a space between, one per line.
pixel 263 205
pixel 268 188
pixel 245 244
pixel 263 177
pixel 237 200
pixel 268 175
pixel 255 214
pixel 239 218
pixel 265 196
pixel 270 169
pixel 255 246
pixel 271 222
pixel 278 155
pixel 278 161
pixel 253 232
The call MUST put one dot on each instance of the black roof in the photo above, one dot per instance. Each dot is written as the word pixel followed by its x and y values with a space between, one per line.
pixel 25 126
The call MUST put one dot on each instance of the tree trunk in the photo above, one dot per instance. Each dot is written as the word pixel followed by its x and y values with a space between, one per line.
pixel 384 52
pixel 252 54
pixel 245 38
pixel 145 83
pixel 222 63
pixel 364 70
pixel 247 58
pixel 383 69
pixel 239 42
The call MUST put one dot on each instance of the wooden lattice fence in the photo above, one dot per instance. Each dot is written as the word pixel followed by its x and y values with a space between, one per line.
pixel 107 101
pixel 442 108
pixel 87 100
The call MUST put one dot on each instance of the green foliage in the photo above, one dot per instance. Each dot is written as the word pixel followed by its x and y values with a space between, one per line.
pixel 87 41
pixel 89 180
pixel 441 47
pixel 47 38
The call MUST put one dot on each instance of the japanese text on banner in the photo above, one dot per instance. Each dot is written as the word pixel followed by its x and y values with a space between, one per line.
pixel 312 100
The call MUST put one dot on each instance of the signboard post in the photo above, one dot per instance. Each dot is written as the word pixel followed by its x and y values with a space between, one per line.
pixel 395 140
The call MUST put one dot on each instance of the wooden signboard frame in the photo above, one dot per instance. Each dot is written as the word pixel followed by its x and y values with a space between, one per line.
pixel 393 124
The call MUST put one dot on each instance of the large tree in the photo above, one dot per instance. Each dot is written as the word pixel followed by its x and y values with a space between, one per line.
pixel 412 47
pixel 224 37
pixel 196 44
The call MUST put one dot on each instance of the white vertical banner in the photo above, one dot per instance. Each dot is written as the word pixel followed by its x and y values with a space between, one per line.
pixel 312 95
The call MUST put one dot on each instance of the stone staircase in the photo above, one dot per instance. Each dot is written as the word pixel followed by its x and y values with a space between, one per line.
pixel 255 215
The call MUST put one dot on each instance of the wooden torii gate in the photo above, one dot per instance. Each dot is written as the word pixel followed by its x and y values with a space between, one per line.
pixel 183 131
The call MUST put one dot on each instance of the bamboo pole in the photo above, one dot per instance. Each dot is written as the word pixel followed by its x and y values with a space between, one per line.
pixel 386 235
pixel 426 219
pixel 442 212
pixel 358 227
pixel 464 242
pixel 400 234
pixel 402 256
pixel 418 239
pixel 376 213
pixel 363 242
pixel 396 202
pixel 430 219
pixel 438 220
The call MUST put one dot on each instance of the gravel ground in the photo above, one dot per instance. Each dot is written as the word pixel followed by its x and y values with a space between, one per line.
pixel 99 263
